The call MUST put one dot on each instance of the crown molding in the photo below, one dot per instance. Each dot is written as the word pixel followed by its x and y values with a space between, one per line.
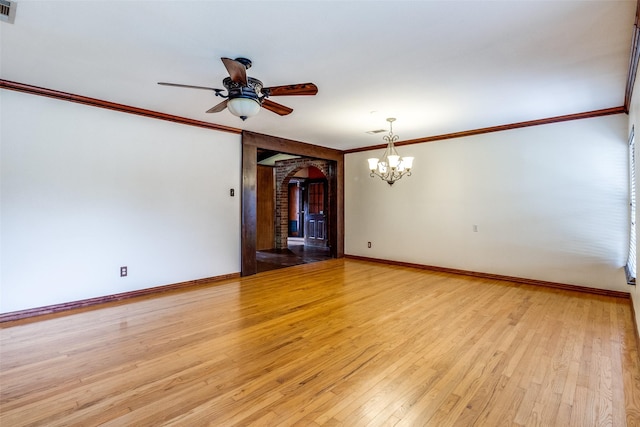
pixel 94 102
pixel 538 122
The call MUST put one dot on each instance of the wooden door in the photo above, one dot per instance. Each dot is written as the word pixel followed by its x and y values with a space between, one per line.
pixel 295 206
pixel 315 218
pixel 265 208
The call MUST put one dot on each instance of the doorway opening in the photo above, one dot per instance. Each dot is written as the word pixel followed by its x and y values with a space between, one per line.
pixel 328 160
pixel 292 210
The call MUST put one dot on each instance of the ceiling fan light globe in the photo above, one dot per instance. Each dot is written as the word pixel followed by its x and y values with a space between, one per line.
pixel 243 107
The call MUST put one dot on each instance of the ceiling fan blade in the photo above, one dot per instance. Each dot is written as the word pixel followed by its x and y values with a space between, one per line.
pixel 237 70
pixel 287 90
pixel 218 108
pixel 191 86
pixel 276 108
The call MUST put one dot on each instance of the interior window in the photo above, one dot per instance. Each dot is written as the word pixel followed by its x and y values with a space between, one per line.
pixel 631 261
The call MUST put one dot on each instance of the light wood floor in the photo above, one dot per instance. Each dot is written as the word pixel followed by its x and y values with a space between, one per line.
pixel 340 342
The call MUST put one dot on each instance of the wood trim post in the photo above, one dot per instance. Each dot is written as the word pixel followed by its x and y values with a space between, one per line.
pixel 249 209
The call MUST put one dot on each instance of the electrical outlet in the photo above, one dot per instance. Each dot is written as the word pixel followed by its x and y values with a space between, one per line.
pixel 123 271
pixel 369 245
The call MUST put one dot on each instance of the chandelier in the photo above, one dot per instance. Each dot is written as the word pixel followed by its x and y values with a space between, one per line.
pixel 391 167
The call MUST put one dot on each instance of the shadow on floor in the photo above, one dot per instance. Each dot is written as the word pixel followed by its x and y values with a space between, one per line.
pixel 296 253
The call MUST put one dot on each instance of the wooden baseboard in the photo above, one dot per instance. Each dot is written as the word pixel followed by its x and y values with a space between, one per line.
pixel 90 302
pixel 57 308
pixel 605 292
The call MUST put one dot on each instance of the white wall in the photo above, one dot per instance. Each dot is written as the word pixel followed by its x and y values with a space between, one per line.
pixel 86 190
pixel 550 203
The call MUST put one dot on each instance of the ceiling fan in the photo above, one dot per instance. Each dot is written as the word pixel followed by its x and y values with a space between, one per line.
pixel 246 95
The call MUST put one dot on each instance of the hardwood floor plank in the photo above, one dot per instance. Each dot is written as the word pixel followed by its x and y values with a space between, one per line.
pixel 340 342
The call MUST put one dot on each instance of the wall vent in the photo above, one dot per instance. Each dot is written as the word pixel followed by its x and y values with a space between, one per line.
pixel 8 11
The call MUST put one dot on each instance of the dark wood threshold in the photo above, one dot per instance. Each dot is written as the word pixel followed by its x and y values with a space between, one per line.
pixel 92 302
pixel 566 287
pixel 94 102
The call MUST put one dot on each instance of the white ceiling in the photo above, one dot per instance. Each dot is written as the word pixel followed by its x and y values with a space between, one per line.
pixel 437 66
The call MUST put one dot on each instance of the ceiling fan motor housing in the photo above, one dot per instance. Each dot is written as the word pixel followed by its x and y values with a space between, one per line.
pixel 253 89
pixel 244 61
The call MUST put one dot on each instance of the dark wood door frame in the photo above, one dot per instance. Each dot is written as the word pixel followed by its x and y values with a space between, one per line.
pixel 250 143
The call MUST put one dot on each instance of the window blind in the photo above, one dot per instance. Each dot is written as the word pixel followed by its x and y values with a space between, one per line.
pixel 631 261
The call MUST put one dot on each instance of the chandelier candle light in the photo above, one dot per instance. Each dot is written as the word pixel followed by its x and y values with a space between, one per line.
pixel 391 167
